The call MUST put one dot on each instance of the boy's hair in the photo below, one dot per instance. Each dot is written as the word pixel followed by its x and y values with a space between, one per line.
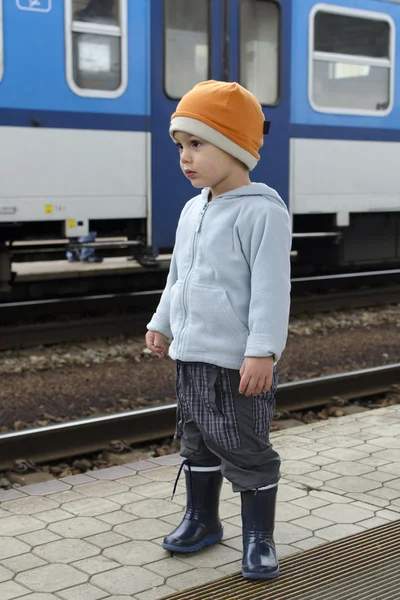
pixel 224 114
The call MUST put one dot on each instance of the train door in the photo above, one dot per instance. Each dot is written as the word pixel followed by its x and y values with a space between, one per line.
pixel 233 40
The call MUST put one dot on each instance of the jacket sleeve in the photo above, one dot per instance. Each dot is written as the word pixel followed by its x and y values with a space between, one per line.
pixel 269 260
pixel 160 321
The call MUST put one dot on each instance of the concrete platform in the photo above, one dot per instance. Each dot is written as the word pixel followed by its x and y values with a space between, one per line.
pixel 62 269
pixel 99 536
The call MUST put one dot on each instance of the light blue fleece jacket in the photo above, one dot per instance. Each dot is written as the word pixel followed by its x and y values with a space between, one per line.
pixel 227 294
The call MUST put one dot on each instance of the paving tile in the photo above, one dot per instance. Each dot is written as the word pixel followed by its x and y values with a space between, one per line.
pixel 79 527
pixel 308 543
pixel 52 516
pixel 63 551
pixel 111 473
pixel 51 578
pixel 211 557
pixel 368 499
pixel 83 592
pixel 344 454
pixel 10 590
pixel 393 483
pixel 335 532
pixel 295 453
pixel 125 498
pixel 155 593
pixel 323 475
pixel 127 580
pixel 228 494
pixel 135 553
pixel 152 508
pixel 286 511
pixel 193 578
pixel 19 524
pixel 96 564
pixel 373 461
pixel 390 468
pixel 39 537
pixel 5 574
pixel 309 502
pixel 374 522
pixel 167 474
pixel 6 495
pixel 294 467
pixel 125 484
pixel 107 539
pixel 369 507
pixel 386 493
pixel 312 522
pixel 306 482
pixel 174 519
pixel 140 465
pixel 103 489
pixel 23 562
pixel 235 543
pixel 288 492
pixel 39 596
pixel 286 533
pixel 77 479
pixel 118 517
pixel 92 507
pixel 11 547
pixel 65 497
pixel 231 569
pixel 168 460
pixel 283 550
pixel 228 509
pixel 342 513
pixel 144 529
pixel 46 487
pixel 231 531
pixel 168 567
pixel 382 432
pixel 339 441
pixel 346 467
pixel 355 484
pixel 381 477
pixel 321 461
pixel 388 515
pixel 369 448
pixel 392 455
pixel 329 497
pixel 30 505
pixel 159 489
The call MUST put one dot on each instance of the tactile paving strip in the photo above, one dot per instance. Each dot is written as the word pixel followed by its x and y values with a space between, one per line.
pixel 365 566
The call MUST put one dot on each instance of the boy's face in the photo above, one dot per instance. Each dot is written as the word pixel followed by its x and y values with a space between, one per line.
pixel 202 163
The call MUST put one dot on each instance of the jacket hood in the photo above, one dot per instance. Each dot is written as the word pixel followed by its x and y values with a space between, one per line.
pixel 254 189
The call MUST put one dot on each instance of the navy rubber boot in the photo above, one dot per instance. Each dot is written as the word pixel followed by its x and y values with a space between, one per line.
pixel 201 525
pixel 258 518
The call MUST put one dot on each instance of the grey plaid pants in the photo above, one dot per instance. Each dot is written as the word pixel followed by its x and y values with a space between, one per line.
pixel 219 426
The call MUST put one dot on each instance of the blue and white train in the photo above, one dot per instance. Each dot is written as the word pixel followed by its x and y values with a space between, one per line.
pixel 87 88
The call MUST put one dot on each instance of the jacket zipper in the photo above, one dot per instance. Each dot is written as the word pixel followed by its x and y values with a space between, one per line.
pixel 189 273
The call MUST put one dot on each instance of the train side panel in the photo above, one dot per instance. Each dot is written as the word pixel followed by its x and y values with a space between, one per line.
pixel 344 158
pixel 67 158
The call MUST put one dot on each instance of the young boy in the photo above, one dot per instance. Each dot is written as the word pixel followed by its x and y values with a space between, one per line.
pixel 226 306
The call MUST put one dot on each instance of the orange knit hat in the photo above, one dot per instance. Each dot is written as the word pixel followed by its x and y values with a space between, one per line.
pixel 224 114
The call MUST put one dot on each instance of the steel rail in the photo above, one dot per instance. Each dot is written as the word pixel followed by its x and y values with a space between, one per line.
pixel 90 435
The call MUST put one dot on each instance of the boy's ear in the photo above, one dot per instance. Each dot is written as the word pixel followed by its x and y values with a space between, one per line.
pixel 267 127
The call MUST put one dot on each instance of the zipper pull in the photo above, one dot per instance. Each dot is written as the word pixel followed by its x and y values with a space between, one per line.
pixel 201 217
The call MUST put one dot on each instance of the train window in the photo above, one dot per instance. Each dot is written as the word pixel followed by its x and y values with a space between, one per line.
pixel 259 49
pixel 351 61
pixel 96 40
pixel 1 41
pixel 187 56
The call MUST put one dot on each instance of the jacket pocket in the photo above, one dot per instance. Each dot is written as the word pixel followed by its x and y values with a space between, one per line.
pixel 176 307
pixel 214 327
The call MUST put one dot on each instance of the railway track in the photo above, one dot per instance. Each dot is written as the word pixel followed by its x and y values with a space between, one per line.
pixel 90 435
pixel 33 323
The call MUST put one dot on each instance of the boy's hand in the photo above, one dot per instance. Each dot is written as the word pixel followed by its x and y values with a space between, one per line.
pixel 157 342
pixel 256 375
